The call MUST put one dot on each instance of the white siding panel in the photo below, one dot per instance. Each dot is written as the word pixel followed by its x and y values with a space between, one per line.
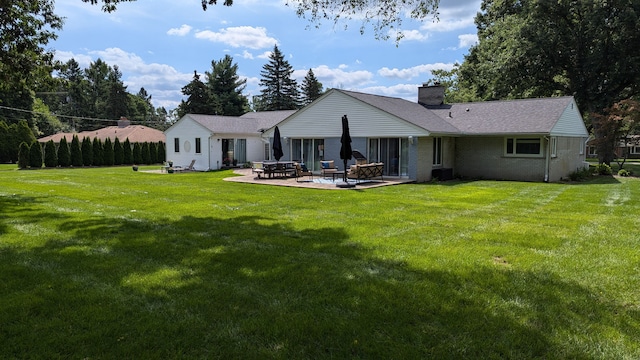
pixel 570 123
pixel 323 120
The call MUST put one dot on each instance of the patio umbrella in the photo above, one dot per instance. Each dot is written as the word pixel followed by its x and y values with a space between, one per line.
pixel 345 140
pixel 277 144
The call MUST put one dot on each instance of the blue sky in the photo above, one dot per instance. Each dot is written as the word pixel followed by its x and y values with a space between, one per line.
pixel 157 44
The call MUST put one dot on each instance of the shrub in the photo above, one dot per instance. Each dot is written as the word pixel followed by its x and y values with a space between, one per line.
pixel 107 151
pixel 87 151
pixel 580 174
pixel 23 155
pixel 623 172
pixel 35 155
pixel 604 169
pixel 118 152
pixel 50 156
pixel 64 156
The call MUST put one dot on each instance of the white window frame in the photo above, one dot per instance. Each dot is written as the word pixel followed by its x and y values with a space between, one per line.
pixel 176 145
pixel 198 145
pixel 437 151
pixel 522 139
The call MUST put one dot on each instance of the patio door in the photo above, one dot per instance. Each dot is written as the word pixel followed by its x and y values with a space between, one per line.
pixel 234 149
pixel 393 152
pixel 308 151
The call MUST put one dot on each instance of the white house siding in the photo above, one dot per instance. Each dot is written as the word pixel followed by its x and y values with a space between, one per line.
pixel 483 157
pixel 188 131
pixel 323 119
pixel 424 154
pixel 568 158
pixel 570 123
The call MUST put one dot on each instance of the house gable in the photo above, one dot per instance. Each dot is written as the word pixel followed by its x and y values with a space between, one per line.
pixel 570 123
pixel 322 119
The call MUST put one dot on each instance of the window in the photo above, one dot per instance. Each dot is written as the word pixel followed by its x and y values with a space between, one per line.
pixel 553 146
pixel 198 146
pixel 530 147
pixel 592 151
pixel 176 145
pixel 635 149
pixel 437 151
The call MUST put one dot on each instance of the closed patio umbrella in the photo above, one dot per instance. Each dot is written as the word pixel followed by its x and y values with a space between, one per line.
pixel 345 149
pixel 277 144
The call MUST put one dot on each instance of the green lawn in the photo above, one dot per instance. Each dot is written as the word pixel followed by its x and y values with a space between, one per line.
pixel 115 264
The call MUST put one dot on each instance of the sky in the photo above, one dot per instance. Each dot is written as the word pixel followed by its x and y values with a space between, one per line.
pixel 158 44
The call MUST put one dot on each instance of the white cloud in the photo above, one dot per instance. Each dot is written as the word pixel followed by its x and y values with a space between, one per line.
pixel 181 31
pixel 241 36
pixel 453 16
pixel 337 78
pixel 467 40
pixel 404 91
pixel 413 72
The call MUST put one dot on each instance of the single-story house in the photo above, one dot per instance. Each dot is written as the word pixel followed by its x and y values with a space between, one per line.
pixel 629 147
pixel 529 140
pixel 215 141
pixel 123 131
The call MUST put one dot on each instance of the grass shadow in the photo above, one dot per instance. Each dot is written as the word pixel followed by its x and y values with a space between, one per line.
pixel 253 287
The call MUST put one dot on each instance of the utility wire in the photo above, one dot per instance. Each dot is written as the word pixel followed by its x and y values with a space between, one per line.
pixel 56 115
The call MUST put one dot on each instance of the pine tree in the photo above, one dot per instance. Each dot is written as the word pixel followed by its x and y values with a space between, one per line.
pixel 64 156
pixel 50 156
pixel 118 152
pixel 153 153
pixel 280 90
pixel 4 142
pixel 35 155
pixel 198 100
pixel 225 87
pixel 311 88
pixel 76 152
pixel 87 151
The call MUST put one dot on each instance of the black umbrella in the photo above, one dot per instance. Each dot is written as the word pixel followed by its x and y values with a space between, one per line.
pixel 277 144
pixel 345 140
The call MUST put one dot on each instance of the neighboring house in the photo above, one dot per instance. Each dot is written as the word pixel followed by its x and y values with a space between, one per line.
pixel 124 131
pixel 215 141
pixel 528 140
pixel 630 147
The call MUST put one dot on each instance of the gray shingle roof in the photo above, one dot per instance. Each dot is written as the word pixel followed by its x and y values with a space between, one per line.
pixel 406 110
pixel 248 123
pixel 528 116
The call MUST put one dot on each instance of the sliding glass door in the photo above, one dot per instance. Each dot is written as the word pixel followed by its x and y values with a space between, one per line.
pixel 393 152
pixel 308 151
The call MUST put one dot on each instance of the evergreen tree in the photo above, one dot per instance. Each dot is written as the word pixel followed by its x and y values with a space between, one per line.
pixel 50 156
pixel 97 152
pixel 118 152
pixel 225 87
pixel 4 142
pixel 311 88
pixel 108 156
pixel 117 96
pixel 64 155
pixel 162 154
pixel 198 98
pixel 137 154
pixel 19 133
pixel 153 153
pixel 76 152
pixel 87 151
pixel 35 155
pixel 23 155
pixel 127 155
pixel 146 153
pixel 280 90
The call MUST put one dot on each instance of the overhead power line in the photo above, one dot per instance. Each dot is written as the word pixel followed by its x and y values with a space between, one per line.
pixel 56 115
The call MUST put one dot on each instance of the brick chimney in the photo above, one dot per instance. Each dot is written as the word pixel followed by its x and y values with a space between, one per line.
pixel 431 95
pixel 123 122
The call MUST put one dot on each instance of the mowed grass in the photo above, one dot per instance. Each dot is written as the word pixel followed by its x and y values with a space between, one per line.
pixel 111 264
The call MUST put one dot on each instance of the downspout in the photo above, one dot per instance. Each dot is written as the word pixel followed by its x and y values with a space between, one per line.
pixel 546 162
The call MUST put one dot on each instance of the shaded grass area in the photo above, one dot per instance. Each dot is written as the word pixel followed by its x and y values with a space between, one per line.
pixel 107 263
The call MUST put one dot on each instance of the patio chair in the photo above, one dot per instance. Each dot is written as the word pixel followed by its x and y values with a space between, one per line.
pixel 301 170
pixel 257 167
pixel 187 168
pixel 327 167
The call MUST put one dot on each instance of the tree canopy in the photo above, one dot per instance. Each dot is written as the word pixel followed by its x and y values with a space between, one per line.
pixel 280 91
